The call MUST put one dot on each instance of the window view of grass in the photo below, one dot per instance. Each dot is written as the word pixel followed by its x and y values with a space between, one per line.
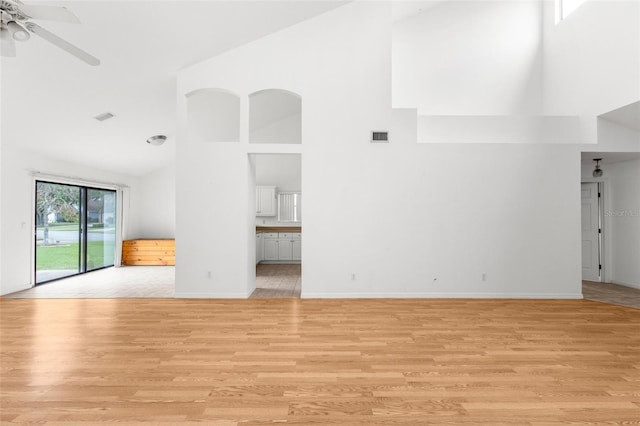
pixel 65 256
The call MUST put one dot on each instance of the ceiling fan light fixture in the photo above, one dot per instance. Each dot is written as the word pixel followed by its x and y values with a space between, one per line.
pixel 157 140
pixel 597 172
pixel 18 32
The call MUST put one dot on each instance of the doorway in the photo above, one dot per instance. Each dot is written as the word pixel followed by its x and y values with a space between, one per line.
pixel 592 231
pixel 278 225
pixel 75 230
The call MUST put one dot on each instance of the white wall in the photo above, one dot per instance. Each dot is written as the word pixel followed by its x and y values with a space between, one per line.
pixel 625 222
pixel 396 215
pixel 469 58
pixel 284 130
pixel 613 137
pixel 591 61
pixel 156 205
pixel 275 117
pixel 17 208
pixel 214 116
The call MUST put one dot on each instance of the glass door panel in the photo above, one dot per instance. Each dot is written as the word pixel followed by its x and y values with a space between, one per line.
pixel 101 228
pixel 75 230
pixel 58 231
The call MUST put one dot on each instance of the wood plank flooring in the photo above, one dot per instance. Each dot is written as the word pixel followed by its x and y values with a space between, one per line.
pixel 302 362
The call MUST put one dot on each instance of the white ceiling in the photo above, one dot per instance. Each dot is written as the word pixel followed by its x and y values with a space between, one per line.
pixel 49 98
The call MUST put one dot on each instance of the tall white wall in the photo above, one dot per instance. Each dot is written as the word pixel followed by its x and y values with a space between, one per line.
pixel 407 219
pixel 156 205
pixel 591 61
pixel 469 58
pixel 16 197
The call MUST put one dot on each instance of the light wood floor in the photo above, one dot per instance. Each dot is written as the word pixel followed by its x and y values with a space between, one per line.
pixel 293 361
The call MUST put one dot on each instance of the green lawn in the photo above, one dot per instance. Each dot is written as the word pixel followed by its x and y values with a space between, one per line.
pixel 66 256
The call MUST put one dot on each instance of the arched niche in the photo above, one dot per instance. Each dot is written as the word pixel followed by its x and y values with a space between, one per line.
pixel 275 116
pixel 213 115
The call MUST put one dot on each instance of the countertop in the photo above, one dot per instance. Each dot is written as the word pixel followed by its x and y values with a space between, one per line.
pixel 261 229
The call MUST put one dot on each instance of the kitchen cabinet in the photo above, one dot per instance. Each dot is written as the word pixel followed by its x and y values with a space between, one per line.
pixel 266 201
pixel 285 248
pixel 259 248
pixel 271 246
pixel 297 249
pixel 282 246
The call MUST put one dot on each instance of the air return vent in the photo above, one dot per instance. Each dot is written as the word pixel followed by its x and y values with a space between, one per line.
pixel 104 116
pixel 379 136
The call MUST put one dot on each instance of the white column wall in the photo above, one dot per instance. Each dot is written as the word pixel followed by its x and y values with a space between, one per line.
pixel 408 220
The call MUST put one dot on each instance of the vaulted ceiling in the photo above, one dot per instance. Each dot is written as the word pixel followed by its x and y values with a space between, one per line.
pixel 49 98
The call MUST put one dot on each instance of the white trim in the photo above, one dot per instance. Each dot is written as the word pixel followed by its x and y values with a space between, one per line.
pixel 622 283
pixel 120 212
pixel 32 254
pixel 605 275
pixel 318 295
pixel 73 180
pixel 190 295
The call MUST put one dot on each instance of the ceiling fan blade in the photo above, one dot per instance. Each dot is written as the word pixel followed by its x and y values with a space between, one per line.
pixel 62 44
pixel 7 45
pixel 51 13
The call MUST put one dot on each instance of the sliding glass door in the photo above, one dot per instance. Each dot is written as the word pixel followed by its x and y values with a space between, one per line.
pixel 101 228
pixel 75 230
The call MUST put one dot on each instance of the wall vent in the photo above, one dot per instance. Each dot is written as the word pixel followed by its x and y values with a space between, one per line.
pixel 104 116
pixel 379 136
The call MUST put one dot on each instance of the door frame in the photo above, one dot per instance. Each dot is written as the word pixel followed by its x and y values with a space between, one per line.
pixel 119 189
pixel 603 206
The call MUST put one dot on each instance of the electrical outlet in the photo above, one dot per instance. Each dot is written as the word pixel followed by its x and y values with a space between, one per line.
pixel 209 274
pixel 353 276
pixel 484 276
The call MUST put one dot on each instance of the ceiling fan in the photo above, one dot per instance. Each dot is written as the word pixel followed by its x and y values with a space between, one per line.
pixel 16 25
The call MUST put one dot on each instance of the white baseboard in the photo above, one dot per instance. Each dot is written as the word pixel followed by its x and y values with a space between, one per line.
pixel 317 295
pixel 636 286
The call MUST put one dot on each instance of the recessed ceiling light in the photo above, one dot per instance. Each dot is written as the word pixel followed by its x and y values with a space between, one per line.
pixel 156 140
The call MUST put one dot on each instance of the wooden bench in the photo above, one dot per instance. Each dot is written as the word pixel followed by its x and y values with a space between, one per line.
pixel 149 252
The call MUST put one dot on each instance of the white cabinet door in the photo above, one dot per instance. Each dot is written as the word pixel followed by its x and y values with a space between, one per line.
pixel 285 249
pixel 270 249
pixel 297 250
pixel 265 200
pixel 259 248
